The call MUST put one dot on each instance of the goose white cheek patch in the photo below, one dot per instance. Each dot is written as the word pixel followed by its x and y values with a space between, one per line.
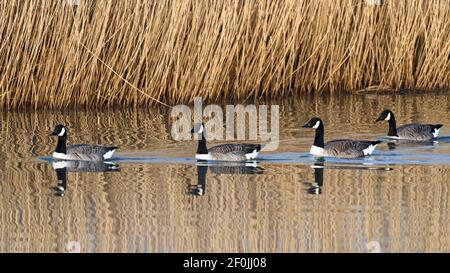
pixel 63 131
pixel 316 125
pixel 201 130
pixel 388 117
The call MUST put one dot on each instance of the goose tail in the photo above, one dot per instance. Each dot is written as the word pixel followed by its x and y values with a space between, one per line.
pixel 258 147
pixel 369 150
pixel 110 152
pixel 436 129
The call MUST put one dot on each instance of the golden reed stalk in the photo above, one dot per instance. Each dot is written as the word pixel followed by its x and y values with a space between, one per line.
pixel 130 53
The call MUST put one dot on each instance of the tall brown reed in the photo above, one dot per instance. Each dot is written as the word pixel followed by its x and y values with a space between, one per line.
pixel 130 53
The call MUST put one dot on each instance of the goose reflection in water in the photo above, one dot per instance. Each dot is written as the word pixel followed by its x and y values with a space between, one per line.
pixel 61 169
pixel 228 168
pixel 395 143
pixel 392 145
pixel 315 188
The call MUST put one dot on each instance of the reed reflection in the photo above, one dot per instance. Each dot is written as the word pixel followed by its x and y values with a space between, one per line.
pixel 61 169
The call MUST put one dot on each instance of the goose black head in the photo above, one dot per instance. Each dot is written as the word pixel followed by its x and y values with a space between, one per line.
pixel 198 128
pixel 313 123
pixel 60 130
pixel 385 115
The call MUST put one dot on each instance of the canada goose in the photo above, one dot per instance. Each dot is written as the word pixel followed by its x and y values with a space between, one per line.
pixel 224 152
pixel 414 131
pixel 344 148
pixel 83 152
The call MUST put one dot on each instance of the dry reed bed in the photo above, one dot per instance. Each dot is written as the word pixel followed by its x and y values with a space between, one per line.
pixel 56 56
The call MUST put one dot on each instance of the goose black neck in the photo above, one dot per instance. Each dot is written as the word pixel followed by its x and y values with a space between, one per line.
pixel 392 126
pixel 202 149
pixel 318 139
pixel 61 146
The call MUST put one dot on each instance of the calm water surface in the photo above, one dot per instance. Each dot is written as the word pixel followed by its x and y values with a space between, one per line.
pixel 156 199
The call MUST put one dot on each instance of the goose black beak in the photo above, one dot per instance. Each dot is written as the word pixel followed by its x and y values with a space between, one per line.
pixel 379 119
pixel 53 134
pixel 306 126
